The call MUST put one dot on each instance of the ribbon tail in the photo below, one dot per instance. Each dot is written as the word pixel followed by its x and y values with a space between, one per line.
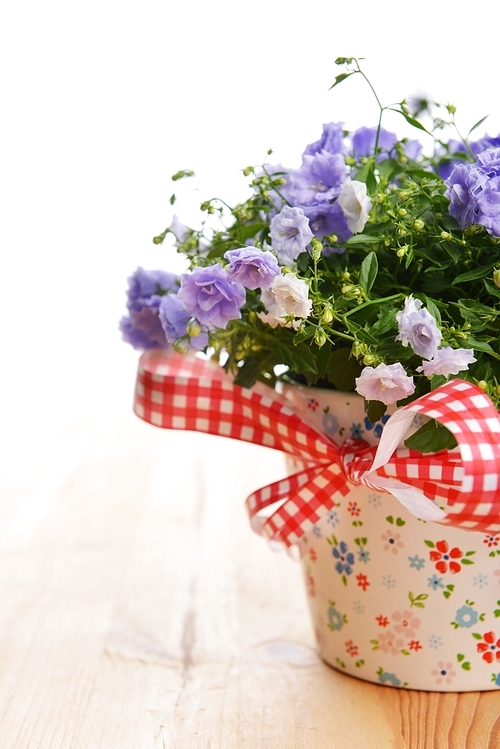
pixel 414 500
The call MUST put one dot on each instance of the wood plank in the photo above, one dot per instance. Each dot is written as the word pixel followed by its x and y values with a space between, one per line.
pixel 139 610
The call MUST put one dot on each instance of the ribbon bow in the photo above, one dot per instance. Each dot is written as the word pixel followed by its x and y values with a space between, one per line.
pixel 175 391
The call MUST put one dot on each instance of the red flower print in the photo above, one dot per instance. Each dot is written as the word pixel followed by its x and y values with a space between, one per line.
pixel 351 648
pixel 489 648
pixel 312 403
pixel 406 623
pixel 445 557
pixel 310 584
pixel 353 508
pixel 382 621
pixel 491 541
pixel 415 645
pixel 312 555
pixel 362 581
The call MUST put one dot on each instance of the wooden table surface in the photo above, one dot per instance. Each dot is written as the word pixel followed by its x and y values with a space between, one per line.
pixel 138 610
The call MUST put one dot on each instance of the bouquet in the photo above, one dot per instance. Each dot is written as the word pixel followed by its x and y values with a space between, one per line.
pixel 373 267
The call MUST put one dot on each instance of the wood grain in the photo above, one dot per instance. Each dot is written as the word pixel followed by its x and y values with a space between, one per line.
pixel 139 611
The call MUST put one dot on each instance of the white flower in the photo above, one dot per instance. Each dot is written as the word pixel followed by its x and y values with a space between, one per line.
pixel 355 204
pixel 275 314
pixel 292 294
pixel 418 328
pixel 448 361
pixel 178 229
pixel 387 383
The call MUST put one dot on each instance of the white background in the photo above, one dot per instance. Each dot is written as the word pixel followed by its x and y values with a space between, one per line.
pixel 102 101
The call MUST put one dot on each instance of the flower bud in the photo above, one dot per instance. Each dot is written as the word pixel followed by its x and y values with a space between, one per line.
pixel 445 235
pixel 181 345
pixel 193 328
pixel 247 170
pixel 320 338
pixel 482 384
pixel 369 359
pixel 327 315
pixel 496 278
pixel 317 248
pixel 402 251
pixel 402 212
pixel 418 224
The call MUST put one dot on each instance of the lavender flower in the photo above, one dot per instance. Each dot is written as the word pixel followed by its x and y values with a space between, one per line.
pixel 473 190
pixel 174 320
pixel 290 234
pixel 252 267
pixel 448 361
pixel 363 143
pixel 332 140
pixel 355 204
pixel 319 179
pixel 142 327
pixel 292 294
pixel 328 218
pixel 210 296
pixel 387 383
pixel 418 328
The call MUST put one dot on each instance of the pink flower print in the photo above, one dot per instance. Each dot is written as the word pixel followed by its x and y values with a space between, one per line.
pixel 389 642
pixel 444 672
pixel 406 623
pixel 489 648
pixel 392 541
pixel 445 556
pixel 351 648
pixel 312 555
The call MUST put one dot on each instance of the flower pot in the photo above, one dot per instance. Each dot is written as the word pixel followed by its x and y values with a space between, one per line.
pixel 396 600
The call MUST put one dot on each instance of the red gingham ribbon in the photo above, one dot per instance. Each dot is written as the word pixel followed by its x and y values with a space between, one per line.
pixel 175 391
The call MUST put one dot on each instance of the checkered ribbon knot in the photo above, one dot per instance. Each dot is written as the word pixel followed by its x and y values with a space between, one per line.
pixel 176 391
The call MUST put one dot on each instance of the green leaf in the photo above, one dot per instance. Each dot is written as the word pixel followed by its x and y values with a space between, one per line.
pixel 431 438
pixel 341 77
pixel 368 273
pixel 299 358
pixel 249 372
pixel 305 334
pixel 431 544
pixel 410 120
pixel 466 666
pixel 478 123
pixel 360 239
pixel 375 410
pixel 472 275
pixel 342 369
pixel 400 522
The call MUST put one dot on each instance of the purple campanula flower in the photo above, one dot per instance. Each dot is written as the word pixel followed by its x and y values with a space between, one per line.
pixel 328 218
pixel 290 234
pixel 448 361
pixel 363 143
pixel 418 328
pixel 211 296
pixel 252 267
pixel 174 320
pixel 473 191
pixel 387 383
pixel 144 284
pixel 332 140
pixel 142 327
pixel 319 179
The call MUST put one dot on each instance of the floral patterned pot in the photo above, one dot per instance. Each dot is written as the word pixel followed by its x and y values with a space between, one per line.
pixel 396 600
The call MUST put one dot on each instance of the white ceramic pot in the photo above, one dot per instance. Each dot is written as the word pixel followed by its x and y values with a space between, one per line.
pixel 396 600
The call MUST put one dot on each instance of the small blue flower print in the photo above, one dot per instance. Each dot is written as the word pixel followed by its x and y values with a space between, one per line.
pixel 345 559
pixel 358 607
pixel 330 423
pixel 387 678
pixel 317 531
pixel 388 581
pixel 481 581
pixel 378 427
pixel 435 582
pixel 416 562
pixel 363 555
pixel 497 680
pixel 335 619
pixel 332 517
pixel 374 500
pixel 435 642
pixel 466 616
pixel 356 432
